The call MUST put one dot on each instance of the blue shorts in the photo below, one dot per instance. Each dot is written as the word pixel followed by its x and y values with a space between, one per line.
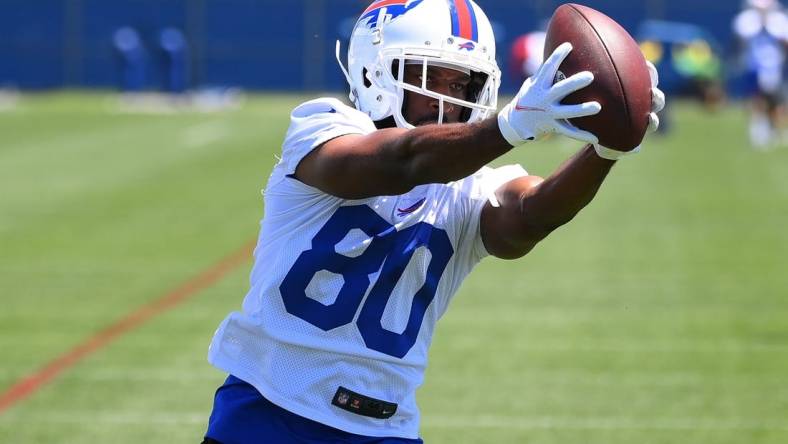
pixel 242 416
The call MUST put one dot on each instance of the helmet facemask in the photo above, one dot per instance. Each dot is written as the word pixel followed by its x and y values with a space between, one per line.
pixel 479 101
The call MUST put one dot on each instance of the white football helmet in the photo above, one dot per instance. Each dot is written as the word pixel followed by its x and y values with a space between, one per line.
pixel 446 33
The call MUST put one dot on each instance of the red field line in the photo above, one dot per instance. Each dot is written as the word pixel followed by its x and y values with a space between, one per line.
pixel 34 381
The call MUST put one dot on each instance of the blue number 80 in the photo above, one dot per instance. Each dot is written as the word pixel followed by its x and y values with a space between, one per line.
pixel 390 249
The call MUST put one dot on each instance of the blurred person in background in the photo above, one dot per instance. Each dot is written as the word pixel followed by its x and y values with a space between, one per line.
pixel 703 68
pixel 376 213
pixel 526 54
pixel 132 58
pixel 762 30
pixel 175 50
pixel 688 62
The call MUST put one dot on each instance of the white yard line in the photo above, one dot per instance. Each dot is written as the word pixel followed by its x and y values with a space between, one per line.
pixel 702 346
pixel 204 133
pixel 629 378
pixel 440 421
pixel 555 377
pixel 599 423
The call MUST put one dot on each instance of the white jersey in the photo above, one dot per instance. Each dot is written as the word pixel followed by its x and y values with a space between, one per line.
pixel 346 293
pixel 765 34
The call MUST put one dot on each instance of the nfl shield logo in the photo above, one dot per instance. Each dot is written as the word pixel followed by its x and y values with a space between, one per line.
pixel 342 398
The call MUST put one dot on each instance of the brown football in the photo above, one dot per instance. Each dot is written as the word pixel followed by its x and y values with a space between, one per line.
pixel 621 81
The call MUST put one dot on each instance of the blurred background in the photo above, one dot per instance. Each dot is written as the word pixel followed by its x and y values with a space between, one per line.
pixel 135 136
pixel 212 49
pixel 86 43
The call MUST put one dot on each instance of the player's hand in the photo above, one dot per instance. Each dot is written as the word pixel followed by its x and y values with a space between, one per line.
pixel 537 110
pixel 657 103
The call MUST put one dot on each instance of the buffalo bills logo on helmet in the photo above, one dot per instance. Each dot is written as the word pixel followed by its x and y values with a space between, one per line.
pixel 467 46
pixel 384 11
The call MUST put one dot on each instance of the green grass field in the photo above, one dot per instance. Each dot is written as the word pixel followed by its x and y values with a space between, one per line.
pixel 660 315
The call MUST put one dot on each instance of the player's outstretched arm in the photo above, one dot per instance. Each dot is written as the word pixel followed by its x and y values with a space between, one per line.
pixel 393 161
pixel 530 208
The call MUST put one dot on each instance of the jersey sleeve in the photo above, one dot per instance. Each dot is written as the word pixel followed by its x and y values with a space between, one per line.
pixel 316 122
pixel 477 190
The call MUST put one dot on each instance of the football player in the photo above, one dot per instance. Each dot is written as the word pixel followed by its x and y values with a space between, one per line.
pixel 374 216
pixel 762 29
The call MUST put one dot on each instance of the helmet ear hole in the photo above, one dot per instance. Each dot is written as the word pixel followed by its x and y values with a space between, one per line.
pixel 475 88
pixel 364 73
pixel 478 80
pixel 395 69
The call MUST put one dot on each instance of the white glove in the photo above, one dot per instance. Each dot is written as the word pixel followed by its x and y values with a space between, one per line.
pixel 537 110
pixel 657 103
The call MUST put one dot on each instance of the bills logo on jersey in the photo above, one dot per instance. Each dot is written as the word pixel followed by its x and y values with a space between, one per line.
pixel 408 209
pixel 469 46
pixel 384 11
